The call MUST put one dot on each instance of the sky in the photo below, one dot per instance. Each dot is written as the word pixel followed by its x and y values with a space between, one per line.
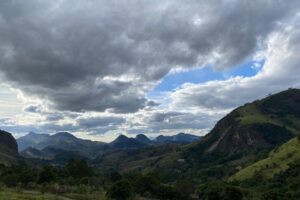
pixel 101 68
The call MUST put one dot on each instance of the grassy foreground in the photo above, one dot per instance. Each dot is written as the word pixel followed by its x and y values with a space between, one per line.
pixel 10 194
pixel 28 195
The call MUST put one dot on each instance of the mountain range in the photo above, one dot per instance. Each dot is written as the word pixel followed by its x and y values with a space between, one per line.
pixel 242 137
pixel 181 138
pixel 253 148
pixel 35 145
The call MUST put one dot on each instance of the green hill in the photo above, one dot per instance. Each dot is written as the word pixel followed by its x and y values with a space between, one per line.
pixel 241 138
pixel 8 148
pixel 277 162
pixel 260 125
pixel 244 136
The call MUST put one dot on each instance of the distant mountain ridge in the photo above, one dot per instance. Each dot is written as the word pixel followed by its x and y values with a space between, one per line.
pixel 124 142
pixel 30 140
pixel 179 138
pixel 35 145
pixel 144 139
pixel 246 134
pixel 65 141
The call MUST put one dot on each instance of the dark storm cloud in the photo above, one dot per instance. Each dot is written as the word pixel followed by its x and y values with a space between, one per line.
pixel 117 96
pixel 107 54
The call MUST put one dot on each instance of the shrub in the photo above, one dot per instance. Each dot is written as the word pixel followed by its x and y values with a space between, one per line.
pixel 2 186
pixel 272 194
pixel 219 190
pixel 47 175
pixel 115 176
pixel 146 184
pixel 120 190
pixel 18 188
pixel 11 180
pixel 167 192
pixel 78 169
pixel 27 176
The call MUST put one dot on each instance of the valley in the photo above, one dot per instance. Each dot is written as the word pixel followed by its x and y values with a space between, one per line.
pixel 252 153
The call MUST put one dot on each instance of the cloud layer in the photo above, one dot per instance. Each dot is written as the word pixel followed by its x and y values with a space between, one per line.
pixel 280 71
pixel 99 55
pixel 104 56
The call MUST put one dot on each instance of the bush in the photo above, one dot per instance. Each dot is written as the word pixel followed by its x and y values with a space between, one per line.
pixel 219 190
pixel 31 186
pixel 167 192
pixel 120 190
pixel 27 176
pixel 11 180
pixel 186 188
pixel 78 169
pixel 47 175
pixel 2 186
pixel 272 194
pixel 115 176
pixel 146 184
pixel 18 188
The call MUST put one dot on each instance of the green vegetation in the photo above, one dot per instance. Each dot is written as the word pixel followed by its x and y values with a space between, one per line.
pixel 278 161
pixel 76 180
pixel 148 186
pixel 285 185
pixel 252 154
pixel 221 190
pixel 28 195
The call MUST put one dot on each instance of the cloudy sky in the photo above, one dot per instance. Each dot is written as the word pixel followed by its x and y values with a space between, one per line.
pixel 99 68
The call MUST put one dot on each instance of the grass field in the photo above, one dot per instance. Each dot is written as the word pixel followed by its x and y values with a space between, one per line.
pixel 12 194
pixel 278 161
pixel 28 195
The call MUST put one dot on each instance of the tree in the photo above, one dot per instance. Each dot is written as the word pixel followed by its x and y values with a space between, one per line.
pixel 47 175
pixel 273 194
pixel 115 176
pixel 11 180
pixel 78 169
pixel 168 192
pixel 28 175
pixel 120 190
pixel 146 184
pixel 219 190
pixel 185 187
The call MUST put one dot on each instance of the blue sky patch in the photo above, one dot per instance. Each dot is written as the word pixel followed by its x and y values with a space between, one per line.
pixel 202 75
